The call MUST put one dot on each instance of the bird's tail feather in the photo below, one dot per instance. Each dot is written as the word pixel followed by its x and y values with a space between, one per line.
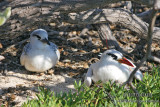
pixel 138 75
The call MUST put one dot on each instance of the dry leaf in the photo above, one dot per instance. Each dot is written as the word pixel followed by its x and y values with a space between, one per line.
pixel 50 72
pixel 72 74
pixel 52 24
pixel 112 27
pixel 65 53
pixel 127 31
pixel 47 79
pixel 85 65
pixel 94 50
pixel 78 32
pixel 41 84
pixel 19 85
pixel 34 82
pixel 6 104
pixel 60 63
pixel 158 14
pixel 13 97
pixel 82 51
pixel 98 49
pixel 41 74
pixel 66 64
pixel 73 67
pixel 60 50
pixel 1 45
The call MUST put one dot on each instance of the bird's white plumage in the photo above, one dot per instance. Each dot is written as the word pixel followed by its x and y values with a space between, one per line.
pixel 38 56
pixel 110 69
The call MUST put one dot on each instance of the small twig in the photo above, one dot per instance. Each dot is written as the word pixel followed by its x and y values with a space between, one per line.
pixel 136 92
pixel 85 30
pixel 153 58
pixel 92 60
pixel 73 38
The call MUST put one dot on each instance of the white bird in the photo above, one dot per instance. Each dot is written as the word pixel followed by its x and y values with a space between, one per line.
pixel 111 66
pixel 39 54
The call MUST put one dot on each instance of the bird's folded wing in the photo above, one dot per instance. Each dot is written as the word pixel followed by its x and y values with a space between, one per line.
pixel 55 49
pixel 53 46
pixel 26 49
pixel 138 75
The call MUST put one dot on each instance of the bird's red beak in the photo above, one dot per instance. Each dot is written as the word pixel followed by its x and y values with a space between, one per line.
pixel 125 61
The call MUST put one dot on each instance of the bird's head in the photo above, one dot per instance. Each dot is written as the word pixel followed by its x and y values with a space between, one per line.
pixel 115 55
pixel 39 37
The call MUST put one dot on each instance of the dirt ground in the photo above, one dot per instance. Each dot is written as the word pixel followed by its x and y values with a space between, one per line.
pixel 17 85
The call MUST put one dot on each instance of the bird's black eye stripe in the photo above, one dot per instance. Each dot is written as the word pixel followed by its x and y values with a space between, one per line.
pixel 38 36
pixel 112 55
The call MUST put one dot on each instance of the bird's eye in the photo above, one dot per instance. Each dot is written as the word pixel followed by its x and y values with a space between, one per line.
pixel 38 37
pixel 112 55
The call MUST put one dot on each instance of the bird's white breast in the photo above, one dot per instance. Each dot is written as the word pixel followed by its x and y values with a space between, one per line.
pixel 40 60
pixel 110 70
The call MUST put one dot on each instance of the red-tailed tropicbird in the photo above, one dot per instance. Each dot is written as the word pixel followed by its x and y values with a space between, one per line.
pixel 111 66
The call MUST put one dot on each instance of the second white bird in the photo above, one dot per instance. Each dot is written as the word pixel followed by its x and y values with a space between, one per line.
pixel 39 54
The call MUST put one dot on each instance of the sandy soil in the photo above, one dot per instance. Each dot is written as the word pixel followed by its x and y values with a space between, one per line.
pixel 16 86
